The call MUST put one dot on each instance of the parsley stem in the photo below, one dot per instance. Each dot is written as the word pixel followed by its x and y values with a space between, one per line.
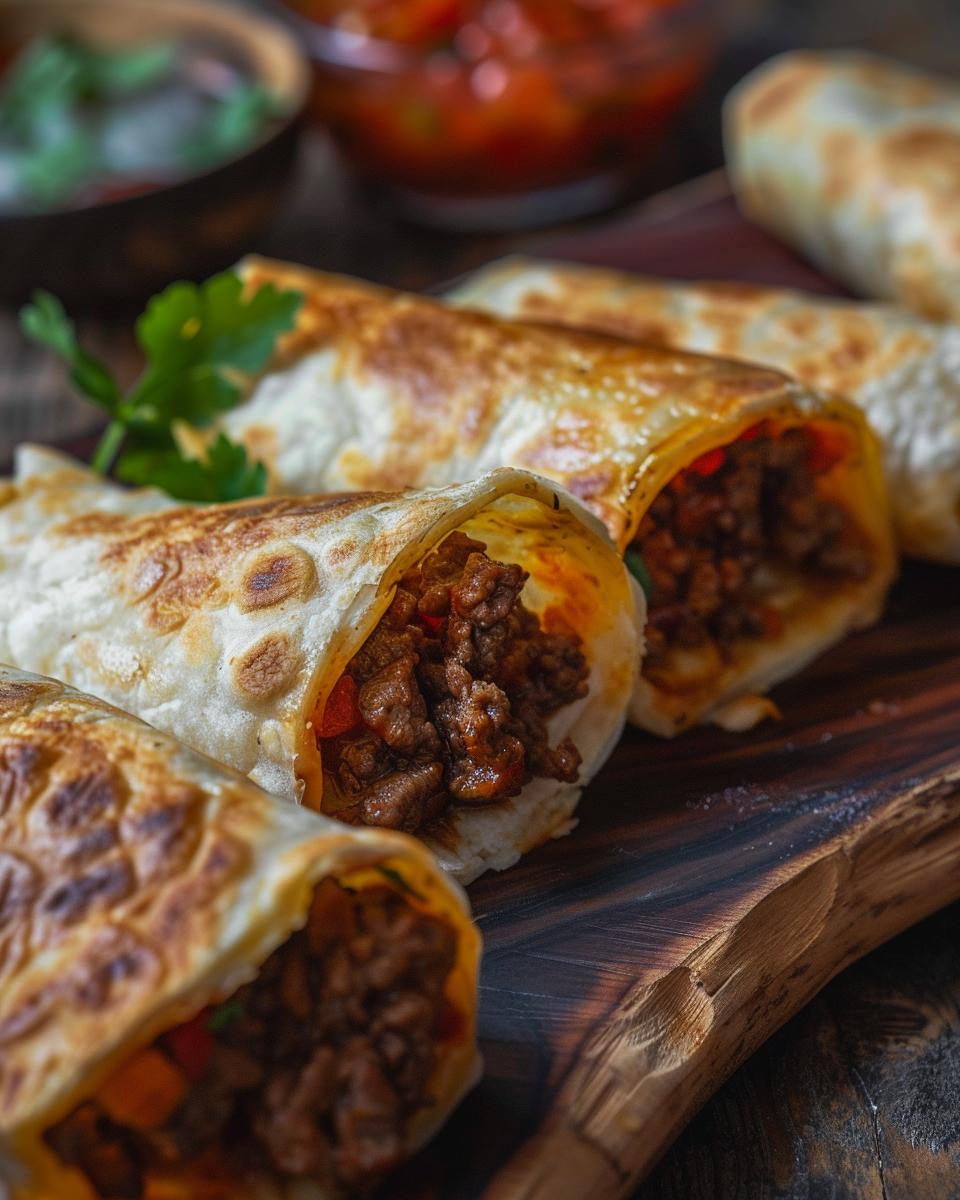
pixel 108 447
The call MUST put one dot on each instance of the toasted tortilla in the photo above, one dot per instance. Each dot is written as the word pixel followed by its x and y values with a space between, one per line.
pixel 376 388
pixel 143 881
pixel 228 625
pixel 901 370
pixel 855 160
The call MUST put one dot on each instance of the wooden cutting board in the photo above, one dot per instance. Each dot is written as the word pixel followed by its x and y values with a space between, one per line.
pixel 715 882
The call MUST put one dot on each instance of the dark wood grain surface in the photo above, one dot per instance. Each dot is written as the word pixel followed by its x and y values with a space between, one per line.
pixel 858 1096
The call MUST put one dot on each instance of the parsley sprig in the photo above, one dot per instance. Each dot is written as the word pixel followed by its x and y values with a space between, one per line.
pixel 202 343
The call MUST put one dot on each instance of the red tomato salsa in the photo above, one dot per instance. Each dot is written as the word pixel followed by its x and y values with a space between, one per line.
pixel 492 97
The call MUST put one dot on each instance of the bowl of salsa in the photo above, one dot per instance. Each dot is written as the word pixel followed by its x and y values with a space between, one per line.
pixel 502 112
pixel 139 142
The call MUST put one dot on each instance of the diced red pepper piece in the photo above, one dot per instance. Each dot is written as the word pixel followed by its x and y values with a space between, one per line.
pixel 828 446
pixel 341 712
pixel 709 463
pixel 144 1091
pixel 451 1024
pixel 755 431
pixel 191 1045
pixel 431 624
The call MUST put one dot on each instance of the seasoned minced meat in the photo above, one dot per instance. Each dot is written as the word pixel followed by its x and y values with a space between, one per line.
pixel 706 534
pixel 313 1069
pixel 448 700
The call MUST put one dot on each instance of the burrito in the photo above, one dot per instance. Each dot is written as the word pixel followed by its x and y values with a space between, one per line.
pixel 855 160
pixel 901 370
pixel 207 993
pixel 750 508
pixel 455 663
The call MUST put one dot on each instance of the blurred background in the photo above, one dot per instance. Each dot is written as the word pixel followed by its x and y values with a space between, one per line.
pixel 402 140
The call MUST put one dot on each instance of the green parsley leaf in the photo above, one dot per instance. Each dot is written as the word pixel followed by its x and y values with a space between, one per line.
pixel 202 342
pixel 638 569
pixel 45 321
pixel 398 881
pixel 224 1015
pixel 226 473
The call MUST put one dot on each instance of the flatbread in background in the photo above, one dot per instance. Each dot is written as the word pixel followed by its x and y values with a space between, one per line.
pixel 901 370
pixel 231 625
pixel 855 160
pixel 375 388
pixel 142 883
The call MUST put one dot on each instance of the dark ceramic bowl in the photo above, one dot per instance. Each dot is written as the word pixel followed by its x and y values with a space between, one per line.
pixel 125 249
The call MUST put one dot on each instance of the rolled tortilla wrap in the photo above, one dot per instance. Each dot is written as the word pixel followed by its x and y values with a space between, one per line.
pixel 233 627
pixel 375 388
pixel 901 370
pixel 157 907
pixel 854 160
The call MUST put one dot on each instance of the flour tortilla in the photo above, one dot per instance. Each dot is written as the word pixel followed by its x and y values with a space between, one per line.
pixel 227 625
pixel 376 388
pixel 199 877
pixel 901 370
pixel 855 160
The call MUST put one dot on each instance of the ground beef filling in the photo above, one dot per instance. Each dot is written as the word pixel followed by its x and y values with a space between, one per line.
pixel 448 700
pixel 312 1070
pixel 706 536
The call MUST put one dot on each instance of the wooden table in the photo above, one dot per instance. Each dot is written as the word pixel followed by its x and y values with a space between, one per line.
pixel 858 1096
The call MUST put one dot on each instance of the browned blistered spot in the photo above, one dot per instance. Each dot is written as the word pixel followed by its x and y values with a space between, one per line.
pixel 197 638
pixel 26 1018
pixel 207 540
pixel 164 840
pixel 93 524
pixel 117 962
pixel 223 860
pixel 853 351
pixel 918 147
pixel 175 600
pixel 70 901
pixel 12 1082
pixel 80 801
pixel 841 170
pixel 801 324
pixel 19 884
pixel 767 99
pixel 266 668
pixel 341 552
pixel 154 570
pixel 87 847
pixel 16 695
pixel 425 349
pixel 273 578
pixel 21 767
